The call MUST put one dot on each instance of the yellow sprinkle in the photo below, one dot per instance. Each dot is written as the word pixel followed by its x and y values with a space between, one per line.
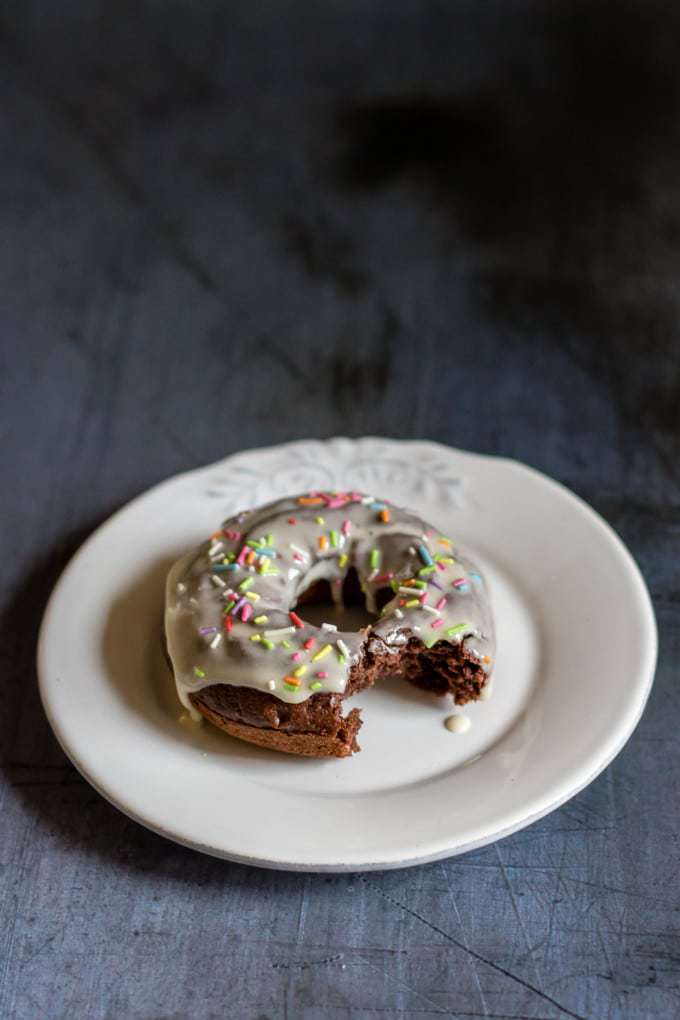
pixel 412 602
pixel 261 619
pixel 322 653
pixel 342 560
pixel 319 520
pixel 252 595
pixel 255 637
pixel 300 671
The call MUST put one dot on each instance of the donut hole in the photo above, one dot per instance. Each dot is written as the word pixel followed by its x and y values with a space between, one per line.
pixel 316 604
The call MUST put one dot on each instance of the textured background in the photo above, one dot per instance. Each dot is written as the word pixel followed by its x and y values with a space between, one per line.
pixel 230 224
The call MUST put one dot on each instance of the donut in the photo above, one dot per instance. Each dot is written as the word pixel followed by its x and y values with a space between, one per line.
pixel 245 658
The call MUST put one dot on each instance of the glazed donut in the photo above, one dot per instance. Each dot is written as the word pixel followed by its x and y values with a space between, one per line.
pixel 244 657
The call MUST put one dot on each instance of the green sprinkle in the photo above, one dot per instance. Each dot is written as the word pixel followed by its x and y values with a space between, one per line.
pixel 230 558
pixel 285 644
pixel 300 671
pixel 412 602
pixel 270 539
pixel 244 585
pixel 229 606
pixel 199 673
pixel 457 629
pixel 319 520
pixel 375 559
pixel 290 687
pixel 424 571
pixel 253 544
pixel 267 644
pixel 419 584
pixel 334 539
pixel 342 560
pixel 260 619
pixel 316 686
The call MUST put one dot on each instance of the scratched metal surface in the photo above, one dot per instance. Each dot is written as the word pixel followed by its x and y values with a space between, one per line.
pixel 226 225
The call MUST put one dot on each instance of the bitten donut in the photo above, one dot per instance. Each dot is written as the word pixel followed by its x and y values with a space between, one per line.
pixel 245 658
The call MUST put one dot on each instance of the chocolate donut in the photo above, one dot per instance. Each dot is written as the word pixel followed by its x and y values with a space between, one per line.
pixel 247 661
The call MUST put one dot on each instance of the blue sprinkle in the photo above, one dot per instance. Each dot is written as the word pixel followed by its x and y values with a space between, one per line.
pixel 262 551
pixel 425 556
pixel 378 506
pixel 474 575
pixel 221 567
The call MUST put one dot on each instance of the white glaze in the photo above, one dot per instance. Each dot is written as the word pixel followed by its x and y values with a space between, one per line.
pixel 199 584
pixel 457 723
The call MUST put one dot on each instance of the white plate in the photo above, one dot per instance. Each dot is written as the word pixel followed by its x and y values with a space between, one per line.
pixel 577 650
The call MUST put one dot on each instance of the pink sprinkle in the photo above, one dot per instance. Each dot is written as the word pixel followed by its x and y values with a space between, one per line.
pixel 441 603
pixel 442 566
pixel 429 533
pixel 233 535
pixel 322 674
pixel 246 612
pixel 357 496
pixel 437 623
pixel 423 598
pixel 298 558
pixel 458 582
pixel 337 501
pixel 291 520
pixel 296 656
pixel 242 555
pixel 383 577
pixel 346 526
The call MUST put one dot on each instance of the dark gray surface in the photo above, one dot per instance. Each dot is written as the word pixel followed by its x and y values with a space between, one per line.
pixel 226 225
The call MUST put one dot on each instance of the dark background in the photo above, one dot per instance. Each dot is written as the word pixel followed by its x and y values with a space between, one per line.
pixel 232 224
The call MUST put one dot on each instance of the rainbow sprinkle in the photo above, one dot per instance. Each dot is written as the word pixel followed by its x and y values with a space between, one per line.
pixel 425 555
pixel 458 628
pixel 322 653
